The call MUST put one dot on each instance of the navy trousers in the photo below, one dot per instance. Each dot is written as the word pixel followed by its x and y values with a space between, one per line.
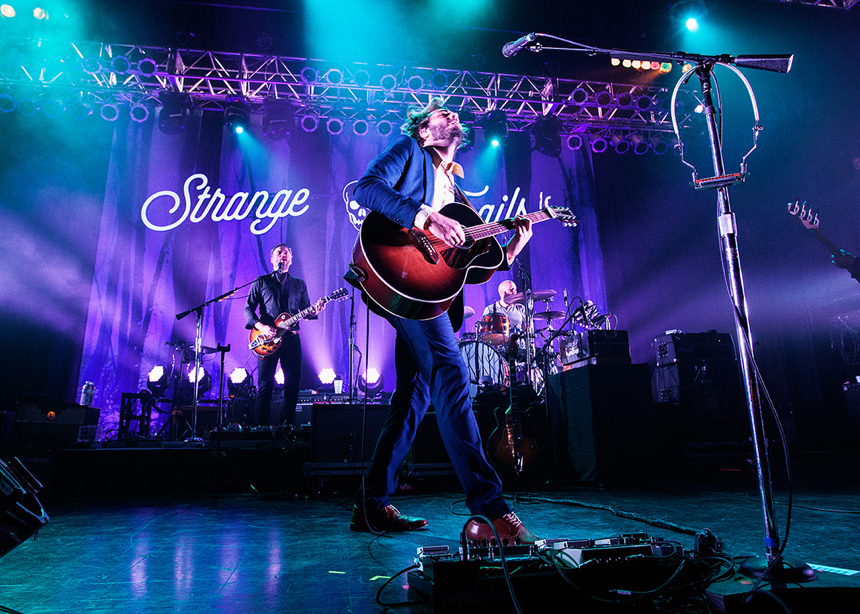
pixel 430 368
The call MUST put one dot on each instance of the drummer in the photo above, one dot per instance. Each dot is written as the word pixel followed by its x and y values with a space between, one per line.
pixel 515 312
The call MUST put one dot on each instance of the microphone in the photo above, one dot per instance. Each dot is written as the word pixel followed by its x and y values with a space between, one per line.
pixel 512 48
pixel 280 267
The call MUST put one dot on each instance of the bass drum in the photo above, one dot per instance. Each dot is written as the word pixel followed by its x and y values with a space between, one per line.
pixel 487 368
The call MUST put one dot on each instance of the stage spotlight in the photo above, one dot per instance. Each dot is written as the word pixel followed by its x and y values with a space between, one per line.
pixel 8 103
pixel 158 381
pixel 619 144
pixel 495 126
pixel 205 380
pixel 120 64
pixel 7 10
pixel 640 145
pixel 361 78
pixel 599 144
pixel 659 145
pixel 278 118
pixel 279 377
pixel 547 138
pixel 240 384
pixel 173 116
pixel 603 98
pixel 327 379
pixel 574 142
pixel 439 80
pixel 27 106
pixel 109 112
pixel 334 76
pixel 360 127
pixel 79 109
pixel 139 112
pixel 51 107
pixel 146 67
pixel 415 83
pixel 40 14
pixel 334 126
pixel 91 65
pixel 689 13
pixel 310 123
pixel 371 382
pixel 644 102
pixel 237 114
pixel 388 82
pixel 579 96
pixel 384 127
pixel 624 99
pixel 309 75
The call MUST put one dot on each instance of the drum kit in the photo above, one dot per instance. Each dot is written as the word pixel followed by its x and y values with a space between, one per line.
pixel 486 350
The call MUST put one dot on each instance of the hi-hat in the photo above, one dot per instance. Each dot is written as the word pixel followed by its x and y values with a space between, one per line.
pixel 549 315
pixel 468 312
pixel 538 295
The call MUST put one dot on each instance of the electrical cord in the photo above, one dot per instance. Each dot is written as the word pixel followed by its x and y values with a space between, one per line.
pixel 398 604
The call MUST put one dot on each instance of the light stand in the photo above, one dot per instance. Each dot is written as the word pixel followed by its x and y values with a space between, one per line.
pixel 771 567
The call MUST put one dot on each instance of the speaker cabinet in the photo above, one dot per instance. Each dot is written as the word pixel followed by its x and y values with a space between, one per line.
pixel 602 424
pixel 700 401
pixel 336 432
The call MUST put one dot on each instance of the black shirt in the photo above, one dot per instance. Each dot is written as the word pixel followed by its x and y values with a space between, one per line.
pixel 274 294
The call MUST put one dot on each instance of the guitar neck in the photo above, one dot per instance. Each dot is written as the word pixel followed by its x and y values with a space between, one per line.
pixel 299 316
pixel 491 229
pixel 825 241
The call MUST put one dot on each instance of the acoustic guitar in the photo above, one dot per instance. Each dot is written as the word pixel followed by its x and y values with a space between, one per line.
pixel 265 345
pixel 416 275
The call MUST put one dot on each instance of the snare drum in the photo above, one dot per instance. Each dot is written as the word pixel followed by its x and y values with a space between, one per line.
pixel 494 329
pixel 486 366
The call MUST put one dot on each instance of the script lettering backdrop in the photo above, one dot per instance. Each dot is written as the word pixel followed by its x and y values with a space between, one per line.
pixel 191 216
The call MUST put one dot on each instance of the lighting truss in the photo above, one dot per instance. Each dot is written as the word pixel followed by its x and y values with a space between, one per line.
pixel 133 74
pixel 828 4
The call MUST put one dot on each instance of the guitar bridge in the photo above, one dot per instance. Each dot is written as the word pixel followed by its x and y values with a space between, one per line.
pixel 424 246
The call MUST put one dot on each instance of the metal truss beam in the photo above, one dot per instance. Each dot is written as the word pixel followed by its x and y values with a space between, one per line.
pixel 101 73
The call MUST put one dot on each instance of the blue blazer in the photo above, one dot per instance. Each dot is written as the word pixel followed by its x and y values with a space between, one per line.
pixel 396 184
pixel 398 181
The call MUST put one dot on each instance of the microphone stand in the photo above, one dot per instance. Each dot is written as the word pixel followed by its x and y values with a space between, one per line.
pixel 198 355
pixel 772 567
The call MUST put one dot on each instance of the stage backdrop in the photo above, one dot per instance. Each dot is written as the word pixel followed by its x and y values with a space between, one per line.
pixel 190 216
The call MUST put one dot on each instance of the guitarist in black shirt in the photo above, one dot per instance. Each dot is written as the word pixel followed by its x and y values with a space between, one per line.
pixel 273 294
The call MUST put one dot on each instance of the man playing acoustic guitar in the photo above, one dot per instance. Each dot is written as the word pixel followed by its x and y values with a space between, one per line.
pixel 273 294
pixel 409 183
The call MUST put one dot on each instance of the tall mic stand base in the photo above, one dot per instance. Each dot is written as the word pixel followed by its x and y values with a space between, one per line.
pixel 783 572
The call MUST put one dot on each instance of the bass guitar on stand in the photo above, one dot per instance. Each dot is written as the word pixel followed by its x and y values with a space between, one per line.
pixel 265 345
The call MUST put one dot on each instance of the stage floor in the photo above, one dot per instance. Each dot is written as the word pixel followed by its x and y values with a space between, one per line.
pixel 292 551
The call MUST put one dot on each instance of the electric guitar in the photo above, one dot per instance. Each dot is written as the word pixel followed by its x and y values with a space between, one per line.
pixel 264 345
pixel 416 275
pixel 509 449
pixel 810 222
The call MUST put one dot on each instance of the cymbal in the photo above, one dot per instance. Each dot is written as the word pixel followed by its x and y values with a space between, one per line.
pixel 538 295
pixel 468 312
pixel 549 315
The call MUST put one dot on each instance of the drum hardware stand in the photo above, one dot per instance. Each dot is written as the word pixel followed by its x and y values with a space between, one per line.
pixel 172 424
pixel 771 567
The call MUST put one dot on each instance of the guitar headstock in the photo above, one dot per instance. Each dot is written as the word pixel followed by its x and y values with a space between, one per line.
pixel 804 214
pixel 563 215
pixel 337 295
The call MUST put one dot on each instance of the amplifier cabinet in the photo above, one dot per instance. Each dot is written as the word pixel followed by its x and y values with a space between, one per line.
pixel 676 346
pixel 596 347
